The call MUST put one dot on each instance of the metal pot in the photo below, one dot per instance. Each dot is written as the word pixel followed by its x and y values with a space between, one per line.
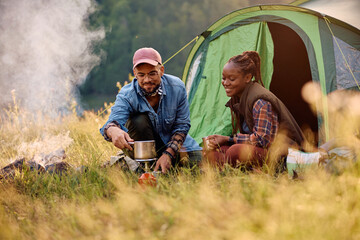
pixel 144 149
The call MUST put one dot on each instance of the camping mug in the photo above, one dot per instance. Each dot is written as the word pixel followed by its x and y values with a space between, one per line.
pixel 206 142
pixel 144 149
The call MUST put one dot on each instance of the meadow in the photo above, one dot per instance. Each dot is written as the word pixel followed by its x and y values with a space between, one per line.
pixel 108 203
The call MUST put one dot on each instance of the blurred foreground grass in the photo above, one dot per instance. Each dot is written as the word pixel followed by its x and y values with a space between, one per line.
pixel 109 204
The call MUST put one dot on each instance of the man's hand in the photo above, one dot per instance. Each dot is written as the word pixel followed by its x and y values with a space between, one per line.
pixel 164 162
pixel 119 137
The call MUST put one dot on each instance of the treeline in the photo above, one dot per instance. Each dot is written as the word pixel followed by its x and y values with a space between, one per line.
pixel 165 25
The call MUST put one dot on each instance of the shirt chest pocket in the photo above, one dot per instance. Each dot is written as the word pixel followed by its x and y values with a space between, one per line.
pixel 169 122
pixel 169 116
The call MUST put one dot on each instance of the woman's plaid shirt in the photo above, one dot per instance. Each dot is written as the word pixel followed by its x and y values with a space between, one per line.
pixel 266 125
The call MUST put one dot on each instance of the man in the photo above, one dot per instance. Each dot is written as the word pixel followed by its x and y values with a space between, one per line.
pixel 152 107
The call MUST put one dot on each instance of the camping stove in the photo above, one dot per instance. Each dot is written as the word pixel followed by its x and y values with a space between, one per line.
pixel 146 162
pixel 147 178
pixel 144 152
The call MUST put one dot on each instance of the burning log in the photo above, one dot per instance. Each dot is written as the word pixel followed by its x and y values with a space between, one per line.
pixel 51 163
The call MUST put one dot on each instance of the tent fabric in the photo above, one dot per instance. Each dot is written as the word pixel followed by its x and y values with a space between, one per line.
pixel 239 15
pixel 308 24
pixel 248 29
pixel 344 78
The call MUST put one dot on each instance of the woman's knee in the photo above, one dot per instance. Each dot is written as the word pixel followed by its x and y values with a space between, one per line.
pixel 244 154
pixel 239 151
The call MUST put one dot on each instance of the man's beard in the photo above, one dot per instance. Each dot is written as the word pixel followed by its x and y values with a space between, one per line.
pixel 152 93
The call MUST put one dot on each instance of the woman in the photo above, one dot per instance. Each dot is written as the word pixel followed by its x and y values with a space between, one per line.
pixel 258 116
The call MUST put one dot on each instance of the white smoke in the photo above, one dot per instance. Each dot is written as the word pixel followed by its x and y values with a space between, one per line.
pixel 46 51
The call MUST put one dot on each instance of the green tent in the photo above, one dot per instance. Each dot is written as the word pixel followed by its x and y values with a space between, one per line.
pixel 296 45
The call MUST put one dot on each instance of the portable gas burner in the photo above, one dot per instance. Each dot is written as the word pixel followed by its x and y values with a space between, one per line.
pixel 147 178
pixel 144 152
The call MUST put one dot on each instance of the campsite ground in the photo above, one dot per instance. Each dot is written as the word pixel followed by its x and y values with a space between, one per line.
pixel 109 204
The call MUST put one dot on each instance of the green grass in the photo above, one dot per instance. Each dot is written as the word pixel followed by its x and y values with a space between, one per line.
pixel 107 203
pixel 110 205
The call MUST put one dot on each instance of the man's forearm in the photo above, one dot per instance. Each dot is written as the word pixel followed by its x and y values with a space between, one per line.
pixel 107 134
pixel 175 143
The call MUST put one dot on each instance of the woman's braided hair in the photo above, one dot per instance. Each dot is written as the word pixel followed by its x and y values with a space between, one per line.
pixel 247 62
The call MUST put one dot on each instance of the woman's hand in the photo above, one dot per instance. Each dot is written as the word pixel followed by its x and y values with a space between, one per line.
pixel 216 141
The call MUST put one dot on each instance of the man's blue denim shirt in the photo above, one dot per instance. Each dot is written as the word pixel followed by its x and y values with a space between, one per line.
pixel 172 116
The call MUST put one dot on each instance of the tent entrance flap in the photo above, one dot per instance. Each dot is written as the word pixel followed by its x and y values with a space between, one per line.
pixel 291 72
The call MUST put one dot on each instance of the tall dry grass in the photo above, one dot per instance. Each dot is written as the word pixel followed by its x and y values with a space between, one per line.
pixel 107 203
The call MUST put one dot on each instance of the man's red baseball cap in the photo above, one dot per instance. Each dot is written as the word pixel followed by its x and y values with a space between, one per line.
pixel 146 55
